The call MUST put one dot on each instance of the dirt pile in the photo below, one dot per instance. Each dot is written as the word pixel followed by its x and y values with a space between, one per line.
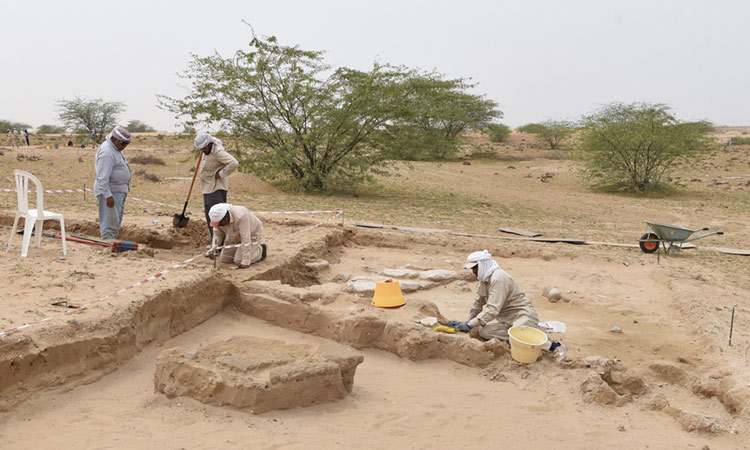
pixel 258 374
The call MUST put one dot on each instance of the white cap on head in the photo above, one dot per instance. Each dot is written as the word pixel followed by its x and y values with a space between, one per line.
pixel 484 262
pixel 217 212
pixel 474 258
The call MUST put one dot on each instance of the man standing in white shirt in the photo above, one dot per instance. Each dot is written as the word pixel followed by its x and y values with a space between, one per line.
pixel 216 166
pixel 112 181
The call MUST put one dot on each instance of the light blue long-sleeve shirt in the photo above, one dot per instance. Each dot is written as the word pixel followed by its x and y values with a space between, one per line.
pixel 112 171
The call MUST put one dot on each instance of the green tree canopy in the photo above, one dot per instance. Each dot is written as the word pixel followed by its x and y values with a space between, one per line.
pixel 6 125
pixel 435 112
pixel 91 115
pixel 302 119
pixel 633 146
pixel 313 124
pixel 552 132
pixel 50 129
pixel 136 126
pixel 498 132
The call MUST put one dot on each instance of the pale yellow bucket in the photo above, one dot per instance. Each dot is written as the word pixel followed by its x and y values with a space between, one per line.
pixel 526 343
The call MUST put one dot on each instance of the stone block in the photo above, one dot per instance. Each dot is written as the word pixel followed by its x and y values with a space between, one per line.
pixel 438 275
pixel 257 374
pixel 401 273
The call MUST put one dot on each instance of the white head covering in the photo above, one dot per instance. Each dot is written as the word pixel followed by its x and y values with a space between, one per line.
pixel 487 265
pixel 120 133
pixel 217 212
pixel 202 139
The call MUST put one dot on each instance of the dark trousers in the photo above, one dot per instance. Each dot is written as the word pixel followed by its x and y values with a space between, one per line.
pixel 209 200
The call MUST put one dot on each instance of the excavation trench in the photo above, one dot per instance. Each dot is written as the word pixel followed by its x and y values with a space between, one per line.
pixel 60 353
pixel 194 235
pixel 297 295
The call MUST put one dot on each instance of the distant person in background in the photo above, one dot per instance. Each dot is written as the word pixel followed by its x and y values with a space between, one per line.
pixel 15 138
pixel 216 166
pixel 10 138
pixel 112 181
pixel 26 134
pixel 91 139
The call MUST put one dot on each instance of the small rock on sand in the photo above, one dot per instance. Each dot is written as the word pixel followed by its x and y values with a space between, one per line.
pixel 553 294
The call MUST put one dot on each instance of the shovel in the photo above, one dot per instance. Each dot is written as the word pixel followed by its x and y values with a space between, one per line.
pixel 180 220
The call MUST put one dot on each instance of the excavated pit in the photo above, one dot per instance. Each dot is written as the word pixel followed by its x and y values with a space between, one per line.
pixel 312 288
pixel 166 236
pixel 58 354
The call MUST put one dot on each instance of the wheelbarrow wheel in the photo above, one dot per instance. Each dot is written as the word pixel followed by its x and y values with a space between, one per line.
pixel 649 243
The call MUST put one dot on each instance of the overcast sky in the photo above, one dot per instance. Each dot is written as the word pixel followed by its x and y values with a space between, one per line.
pixel 539 59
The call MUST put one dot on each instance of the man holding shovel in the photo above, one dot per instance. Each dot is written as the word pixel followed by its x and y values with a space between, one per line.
pixel 217 165
pixel 240 226
pixel 112 181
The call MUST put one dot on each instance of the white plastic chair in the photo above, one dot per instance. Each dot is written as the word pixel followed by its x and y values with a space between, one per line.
pixel 32 217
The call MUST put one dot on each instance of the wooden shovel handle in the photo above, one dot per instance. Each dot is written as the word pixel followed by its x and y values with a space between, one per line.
pixel 193 182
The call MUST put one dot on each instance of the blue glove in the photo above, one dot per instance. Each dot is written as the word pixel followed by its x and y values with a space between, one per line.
pixel 453 323
pixel 463 326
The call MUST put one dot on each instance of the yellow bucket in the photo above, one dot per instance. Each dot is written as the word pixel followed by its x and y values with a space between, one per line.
pixel 526 343
pixel 388 294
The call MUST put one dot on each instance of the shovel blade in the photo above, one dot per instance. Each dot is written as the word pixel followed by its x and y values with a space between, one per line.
pixel 180 221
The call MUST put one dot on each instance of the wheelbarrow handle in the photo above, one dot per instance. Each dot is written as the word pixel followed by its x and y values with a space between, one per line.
pixel 719 232
pixel 704 229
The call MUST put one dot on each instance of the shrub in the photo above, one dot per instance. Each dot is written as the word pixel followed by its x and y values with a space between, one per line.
pixel 50 129
pixel 148 176
pixel 498 132
pixel 737 140
pixel 632 147
pixel 136 126
pixel 147 159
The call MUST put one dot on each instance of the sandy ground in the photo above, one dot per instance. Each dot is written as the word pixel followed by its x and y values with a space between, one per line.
pixel 674 315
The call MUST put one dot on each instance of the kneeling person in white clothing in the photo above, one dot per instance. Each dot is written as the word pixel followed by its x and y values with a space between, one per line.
pixel 499 304
pixel 240 226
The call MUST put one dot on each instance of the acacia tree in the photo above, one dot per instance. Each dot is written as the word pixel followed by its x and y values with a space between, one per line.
pixel 311 123
pixel 50 129
pixel 498 132
pixel 553 132
pixel 435 112
pixel 633 146
pixel 136 126
pixel 9 125
pixel 95 116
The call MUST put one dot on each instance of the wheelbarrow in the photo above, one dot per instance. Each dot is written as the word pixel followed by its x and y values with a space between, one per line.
pixel 675 236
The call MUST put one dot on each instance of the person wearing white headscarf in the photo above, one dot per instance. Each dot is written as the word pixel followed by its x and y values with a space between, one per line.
pixel 112 182
pixel 216 166
pixel 15 138
pixel 499 304
pixel 239 226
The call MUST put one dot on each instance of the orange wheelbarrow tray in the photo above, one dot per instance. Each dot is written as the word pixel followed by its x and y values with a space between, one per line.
pixel 673 235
